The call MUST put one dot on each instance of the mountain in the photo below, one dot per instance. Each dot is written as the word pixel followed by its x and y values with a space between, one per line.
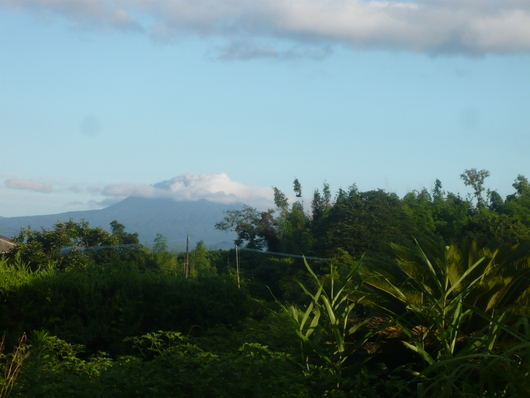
pixel 147 217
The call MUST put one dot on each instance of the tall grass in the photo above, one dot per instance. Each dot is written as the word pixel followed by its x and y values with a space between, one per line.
pixel 15 274
pixel 463 350
pixel 325 330
pixel 450 358
pixel 493 363
pixel 11 365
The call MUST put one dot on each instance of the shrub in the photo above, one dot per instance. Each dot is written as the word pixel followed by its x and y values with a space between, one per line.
pixel 100 306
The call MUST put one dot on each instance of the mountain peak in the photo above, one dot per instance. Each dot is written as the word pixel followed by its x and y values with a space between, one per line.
pixel 146 216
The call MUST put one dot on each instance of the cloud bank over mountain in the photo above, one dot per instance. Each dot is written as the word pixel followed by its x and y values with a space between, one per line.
pixel 188 187
pixel 218 188
pixel 19 183
pixel 307 28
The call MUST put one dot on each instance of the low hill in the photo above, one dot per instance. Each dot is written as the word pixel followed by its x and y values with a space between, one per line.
pixel 147 217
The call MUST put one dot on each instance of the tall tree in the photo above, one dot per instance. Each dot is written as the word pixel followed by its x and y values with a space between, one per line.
pixel 297 188
pixel 437 192
pixel 451 214
pixel 419 207
pixel 281 201
pixel 518 204
pixel 255 229
pixel 475 179
pixel 521 185
pixel 320 204
pixel 360 221
pixel 122 237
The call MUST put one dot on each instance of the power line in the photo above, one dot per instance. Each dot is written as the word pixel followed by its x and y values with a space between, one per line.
pixel 285 254
pixel 83 249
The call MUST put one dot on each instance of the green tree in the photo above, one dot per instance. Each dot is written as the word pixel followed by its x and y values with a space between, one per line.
pixel 122 237
pixel 297 188
pixel 361 221
pixel 281 201
pixel 490 225
pixel 295 234
pixel 419 208
pixel 451 214
pixel 475 179
pixel 320 204
pixel 437 192
pixel 65 245
pixel 495 201
pixel 73 244
pixel 522 186
pixel 255 229
pixel 517 205
pixel 163 259
pixel 201 261
pixel 293 223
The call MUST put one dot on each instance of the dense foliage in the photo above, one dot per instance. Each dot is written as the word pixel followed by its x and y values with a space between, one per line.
pixel 421 296
pixel 360 222
pixel 102 305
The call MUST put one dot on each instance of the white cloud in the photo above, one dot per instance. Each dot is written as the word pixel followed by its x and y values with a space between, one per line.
pixel 18 183
pixel 190 187
pixel 147 191
pixel 433 26
pixel 81 195
pixel 106 15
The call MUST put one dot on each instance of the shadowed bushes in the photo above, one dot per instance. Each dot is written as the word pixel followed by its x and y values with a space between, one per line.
pixel 100 306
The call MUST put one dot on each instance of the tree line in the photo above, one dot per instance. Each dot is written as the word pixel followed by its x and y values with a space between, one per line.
pixel 357 221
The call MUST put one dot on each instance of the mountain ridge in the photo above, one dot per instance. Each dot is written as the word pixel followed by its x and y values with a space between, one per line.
pixel 145 216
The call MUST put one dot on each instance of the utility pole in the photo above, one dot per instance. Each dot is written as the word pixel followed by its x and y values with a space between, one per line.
pixel 187 266
pixel 237 268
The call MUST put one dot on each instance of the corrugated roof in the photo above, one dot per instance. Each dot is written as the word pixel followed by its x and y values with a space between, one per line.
pixel 6 244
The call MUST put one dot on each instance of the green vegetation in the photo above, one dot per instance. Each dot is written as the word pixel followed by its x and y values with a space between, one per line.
pixel 421 296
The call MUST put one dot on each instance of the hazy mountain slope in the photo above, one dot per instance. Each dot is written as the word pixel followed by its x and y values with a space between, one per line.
pixel 174 220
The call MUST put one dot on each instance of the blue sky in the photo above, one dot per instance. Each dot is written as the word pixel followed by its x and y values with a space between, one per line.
pixel 224 99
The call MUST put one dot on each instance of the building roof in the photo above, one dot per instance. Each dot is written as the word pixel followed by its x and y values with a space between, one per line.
pixel 6 244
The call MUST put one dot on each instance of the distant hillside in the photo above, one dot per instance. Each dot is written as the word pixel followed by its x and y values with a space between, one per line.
pixel 147 217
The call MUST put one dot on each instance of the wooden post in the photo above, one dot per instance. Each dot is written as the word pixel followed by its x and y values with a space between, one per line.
pixel 237 268
pixel 187 266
